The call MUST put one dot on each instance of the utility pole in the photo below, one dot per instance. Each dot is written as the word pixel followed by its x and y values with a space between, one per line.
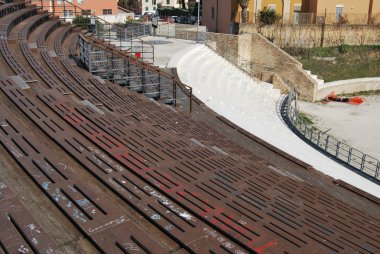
pixel 323 29
pixel 370 8
pixel 199 4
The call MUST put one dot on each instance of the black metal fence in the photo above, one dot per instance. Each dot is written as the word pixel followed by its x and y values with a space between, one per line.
pixel 327 143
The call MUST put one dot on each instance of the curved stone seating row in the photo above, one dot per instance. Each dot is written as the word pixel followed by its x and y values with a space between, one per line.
pixel 6 24
pixel 6 9
pixel 51 26
pixel 41 72
pixel 33 24
pixel 60 38
pixel 73 45
pixel 23 35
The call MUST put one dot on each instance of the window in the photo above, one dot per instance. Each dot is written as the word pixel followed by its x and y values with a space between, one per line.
pixel 80 1
pixel 147 8
pixel 272 7
pixel 297 10
pixel 154 8
pixel 67 13
pixel 146 1
pixel 86 12
pixel 107 11
pixel 212 12
pixel 339 12
pixel 168 2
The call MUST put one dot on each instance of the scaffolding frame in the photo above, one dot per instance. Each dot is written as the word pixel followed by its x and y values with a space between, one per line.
pixel 121 67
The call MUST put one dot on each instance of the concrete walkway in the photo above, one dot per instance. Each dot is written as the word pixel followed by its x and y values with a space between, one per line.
pixel 166 48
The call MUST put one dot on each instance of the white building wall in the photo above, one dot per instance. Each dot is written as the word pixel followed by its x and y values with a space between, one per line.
pixel 151 5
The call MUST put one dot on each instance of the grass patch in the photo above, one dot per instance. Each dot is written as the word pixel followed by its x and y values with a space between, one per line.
pixel 350 61
pixel 306 117
pixel 342 69
pixel 362 93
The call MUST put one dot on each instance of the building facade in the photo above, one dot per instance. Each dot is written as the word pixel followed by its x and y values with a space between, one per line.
pixel 343 11
pixel 288 9
pixel 219 15
pixel 96 7
pixel 223 15
pixel 69 9
pixel 151 6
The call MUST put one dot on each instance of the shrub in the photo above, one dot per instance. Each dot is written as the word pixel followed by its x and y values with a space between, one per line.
pixel 343 48
pixel 268 17
pixel 81 21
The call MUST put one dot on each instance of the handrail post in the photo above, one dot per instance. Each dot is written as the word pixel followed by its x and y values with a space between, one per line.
pixel 64 11
pixel 175 94
pixel 305 129
pixel 363 162
pixel 377 170
pixel 191 100
pixel 337 149
pixel 319 138
pixel 159 86
pixel 327 142
pixel 349 155
pixel 312 133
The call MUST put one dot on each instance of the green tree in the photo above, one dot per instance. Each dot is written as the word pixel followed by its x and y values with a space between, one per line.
pixel 244 10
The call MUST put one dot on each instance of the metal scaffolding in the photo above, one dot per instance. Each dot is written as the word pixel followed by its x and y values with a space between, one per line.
pixel 129 72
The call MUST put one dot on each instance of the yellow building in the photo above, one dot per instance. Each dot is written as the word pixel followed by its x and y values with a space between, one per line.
pixel 347 11
pixel 288 9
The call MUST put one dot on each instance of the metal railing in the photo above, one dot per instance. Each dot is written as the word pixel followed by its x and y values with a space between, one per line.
pixel 182 31
pixel 326 143
pixel 121 68
pixel 136 30
pixel 301 18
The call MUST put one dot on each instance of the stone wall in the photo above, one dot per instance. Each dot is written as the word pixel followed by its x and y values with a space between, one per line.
pixel 261 55
pixel 226 45
pixel 289 69
pixel 309 36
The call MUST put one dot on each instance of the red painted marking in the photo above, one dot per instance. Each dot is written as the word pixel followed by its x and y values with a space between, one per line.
pixel 262 248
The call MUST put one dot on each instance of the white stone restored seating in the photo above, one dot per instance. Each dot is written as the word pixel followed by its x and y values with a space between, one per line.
pixel 252 105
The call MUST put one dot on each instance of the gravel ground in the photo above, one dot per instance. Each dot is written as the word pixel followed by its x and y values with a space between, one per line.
pixel 358 126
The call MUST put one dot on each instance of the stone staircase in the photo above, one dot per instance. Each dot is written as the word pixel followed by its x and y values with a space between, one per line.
pixel 320 82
